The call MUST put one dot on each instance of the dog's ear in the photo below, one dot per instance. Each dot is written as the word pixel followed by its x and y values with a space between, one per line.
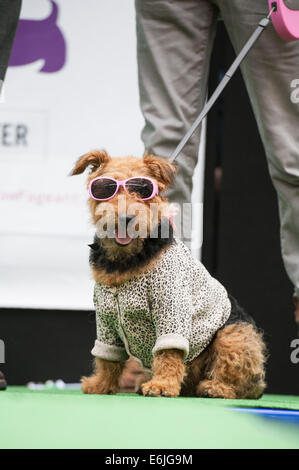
pixel 162 169
pixel 95 158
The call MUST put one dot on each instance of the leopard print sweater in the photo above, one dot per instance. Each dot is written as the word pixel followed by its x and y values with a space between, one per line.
pixel 176 304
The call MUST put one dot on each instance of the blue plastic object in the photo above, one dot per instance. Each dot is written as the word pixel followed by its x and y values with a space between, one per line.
pixel 286 416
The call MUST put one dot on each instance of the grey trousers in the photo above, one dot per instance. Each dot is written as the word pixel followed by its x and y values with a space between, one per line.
pixel 9 15
pixel 174 43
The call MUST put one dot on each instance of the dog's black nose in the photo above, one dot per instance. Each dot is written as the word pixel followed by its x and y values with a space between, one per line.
pixel 124 219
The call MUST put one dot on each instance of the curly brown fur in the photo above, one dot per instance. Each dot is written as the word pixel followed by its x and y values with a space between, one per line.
pixel 105 378
pixel 168 374
pixel 195 372
pixel 96 159
pixel 231 367
pixel 109 260
pixel 113 264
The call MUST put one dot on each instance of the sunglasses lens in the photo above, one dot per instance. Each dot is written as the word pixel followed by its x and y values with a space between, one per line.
pixel 142 187
pixel 103 188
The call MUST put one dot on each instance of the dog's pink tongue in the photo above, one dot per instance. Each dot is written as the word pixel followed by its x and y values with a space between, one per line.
pixel 122 240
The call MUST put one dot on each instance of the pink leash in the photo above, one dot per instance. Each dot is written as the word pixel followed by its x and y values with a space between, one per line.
pixel 285 19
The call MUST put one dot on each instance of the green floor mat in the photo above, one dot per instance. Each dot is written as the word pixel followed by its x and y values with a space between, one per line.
pixel 69 419
pixel 288 402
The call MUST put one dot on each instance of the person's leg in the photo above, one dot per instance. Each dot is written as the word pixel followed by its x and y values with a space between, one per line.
pixel 174 42
pixel 9 15
pixel 269 72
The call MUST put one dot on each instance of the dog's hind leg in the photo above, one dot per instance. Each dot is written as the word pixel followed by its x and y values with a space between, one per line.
pixel 105 378
pixel 235 365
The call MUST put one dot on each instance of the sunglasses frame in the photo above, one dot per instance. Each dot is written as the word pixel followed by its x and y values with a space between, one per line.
pixel 123 184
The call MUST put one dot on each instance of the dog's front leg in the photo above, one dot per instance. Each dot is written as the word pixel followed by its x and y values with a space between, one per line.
pixel 168 374
pixel 105 378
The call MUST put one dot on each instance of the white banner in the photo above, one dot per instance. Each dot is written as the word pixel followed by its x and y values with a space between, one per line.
pixel 71 87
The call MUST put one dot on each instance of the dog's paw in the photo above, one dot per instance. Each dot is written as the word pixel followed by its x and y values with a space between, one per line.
pixel 140 380
pixel 95 385
pixel 160 388
pixel 213 389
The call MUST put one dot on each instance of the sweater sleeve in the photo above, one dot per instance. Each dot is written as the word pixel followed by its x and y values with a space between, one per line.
pixel 171 305
pixel 108 344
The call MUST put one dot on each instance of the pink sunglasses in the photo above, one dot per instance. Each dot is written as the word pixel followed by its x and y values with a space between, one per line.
pixel 104 188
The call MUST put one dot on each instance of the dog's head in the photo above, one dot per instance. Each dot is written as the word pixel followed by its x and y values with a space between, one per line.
pixel 127 223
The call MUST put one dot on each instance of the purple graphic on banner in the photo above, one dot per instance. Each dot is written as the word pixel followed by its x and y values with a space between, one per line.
pixel 40 39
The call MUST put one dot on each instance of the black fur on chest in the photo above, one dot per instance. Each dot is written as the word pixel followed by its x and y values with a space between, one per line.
pixel 151 247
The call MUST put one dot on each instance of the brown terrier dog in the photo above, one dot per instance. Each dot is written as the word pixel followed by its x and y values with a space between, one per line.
pixel 153 301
